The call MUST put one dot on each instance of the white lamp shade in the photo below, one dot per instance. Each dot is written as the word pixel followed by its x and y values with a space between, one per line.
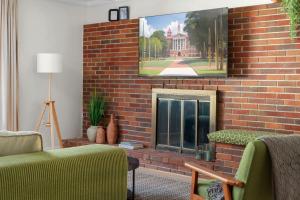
pixel 49 63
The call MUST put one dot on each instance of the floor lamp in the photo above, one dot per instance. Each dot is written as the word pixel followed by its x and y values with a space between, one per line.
pixel 49 63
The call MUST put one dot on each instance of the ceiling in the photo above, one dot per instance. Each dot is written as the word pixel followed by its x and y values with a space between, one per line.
pixel 88 2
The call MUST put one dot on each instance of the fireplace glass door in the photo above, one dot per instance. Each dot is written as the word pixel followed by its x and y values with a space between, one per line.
pixel 182 124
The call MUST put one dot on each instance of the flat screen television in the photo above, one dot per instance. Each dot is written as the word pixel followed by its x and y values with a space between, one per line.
pixel 191 44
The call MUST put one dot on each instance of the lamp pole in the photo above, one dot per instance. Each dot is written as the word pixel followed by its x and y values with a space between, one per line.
pixel 50 83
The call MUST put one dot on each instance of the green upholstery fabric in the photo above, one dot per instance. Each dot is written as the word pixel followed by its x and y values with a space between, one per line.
pixel 88 172
pixel 203 185
pixel 12 143
pixel 235 136
pixel 254 171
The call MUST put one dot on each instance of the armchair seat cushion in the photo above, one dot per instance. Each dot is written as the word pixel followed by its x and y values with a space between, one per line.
pixel 203 185
pixel 236 136
pixel 12 143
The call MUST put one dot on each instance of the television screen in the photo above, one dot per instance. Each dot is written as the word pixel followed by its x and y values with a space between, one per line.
pixel 191 44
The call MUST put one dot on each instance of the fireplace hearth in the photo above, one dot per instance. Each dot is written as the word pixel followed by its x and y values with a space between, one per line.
pixel 181 119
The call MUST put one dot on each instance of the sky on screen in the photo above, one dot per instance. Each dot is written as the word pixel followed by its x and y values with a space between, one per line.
pixel 162 22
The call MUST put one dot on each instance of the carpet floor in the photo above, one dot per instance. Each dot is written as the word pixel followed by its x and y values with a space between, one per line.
pixel 156 185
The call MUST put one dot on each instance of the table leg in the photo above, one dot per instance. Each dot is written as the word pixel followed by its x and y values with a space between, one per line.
pixel 133 184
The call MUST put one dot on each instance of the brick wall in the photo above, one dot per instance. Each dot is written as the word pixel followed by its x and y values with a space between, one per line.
pixel 262 91
pixel 228 157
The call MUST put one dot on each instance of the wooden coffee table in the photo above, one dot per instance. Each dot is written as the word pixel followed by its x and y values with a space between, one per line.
pixel 133 164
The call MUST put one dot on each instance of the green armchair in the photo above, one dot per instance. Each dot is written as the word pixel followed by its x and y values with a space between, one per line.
pixel 252 180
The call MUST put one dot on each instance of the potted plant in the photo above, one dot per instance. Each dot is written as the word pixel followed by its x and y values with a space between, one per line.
pixel 96 113
pixel 292 7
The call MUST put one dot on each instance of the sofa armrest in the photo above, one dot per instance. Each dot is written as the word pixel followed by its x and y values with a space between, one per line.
pixel 12 143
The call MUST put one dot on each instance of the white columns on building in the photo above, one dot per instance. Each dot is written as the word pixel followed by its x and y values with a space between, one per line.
pixel 178 44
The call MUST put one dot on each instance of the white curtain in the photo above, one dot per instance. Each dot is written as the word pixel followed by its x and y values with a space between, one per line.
pixel 8 66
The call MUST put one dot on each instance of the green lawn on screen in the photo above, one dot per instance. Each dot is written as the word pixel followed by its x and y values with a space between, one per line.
pixel 156 63
pixel 208 71
pixel 193 62
pixel 150 72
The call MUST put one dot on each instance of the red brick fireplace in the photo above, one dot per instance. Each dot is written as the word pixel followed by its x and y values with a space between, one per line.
pixel 262 91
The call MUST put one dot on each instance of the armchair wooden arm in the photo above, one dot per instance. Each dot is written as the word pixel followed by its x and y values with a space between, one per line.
pixel 227 182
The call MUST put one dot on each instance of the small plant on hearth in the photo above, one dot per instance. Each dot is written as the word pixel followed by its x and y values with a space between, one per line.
pixel 96 109
pixel 292 7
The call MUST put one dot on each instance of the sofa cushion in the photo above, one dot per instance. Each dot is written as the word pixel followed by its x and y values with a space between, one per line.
pixel 12 143
pixel 237 137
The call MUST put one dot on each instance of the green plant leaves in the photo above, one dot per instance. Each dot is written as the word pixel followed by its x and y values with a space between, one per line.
pixel 292 7
pixel 96 109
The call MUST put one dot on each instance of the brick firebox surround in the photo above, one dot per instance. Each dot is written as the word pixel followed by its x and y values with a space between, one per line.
pixel 262 91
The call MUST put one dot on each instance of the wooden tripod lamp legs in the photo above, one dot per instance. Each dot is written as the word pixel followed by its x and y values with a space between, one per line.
pixel 56 124
pixel 38 124
pixel 53 120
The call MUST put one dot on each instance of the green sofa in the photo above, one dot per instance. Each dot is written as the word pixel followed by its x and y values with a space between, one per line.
pixel 78 173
